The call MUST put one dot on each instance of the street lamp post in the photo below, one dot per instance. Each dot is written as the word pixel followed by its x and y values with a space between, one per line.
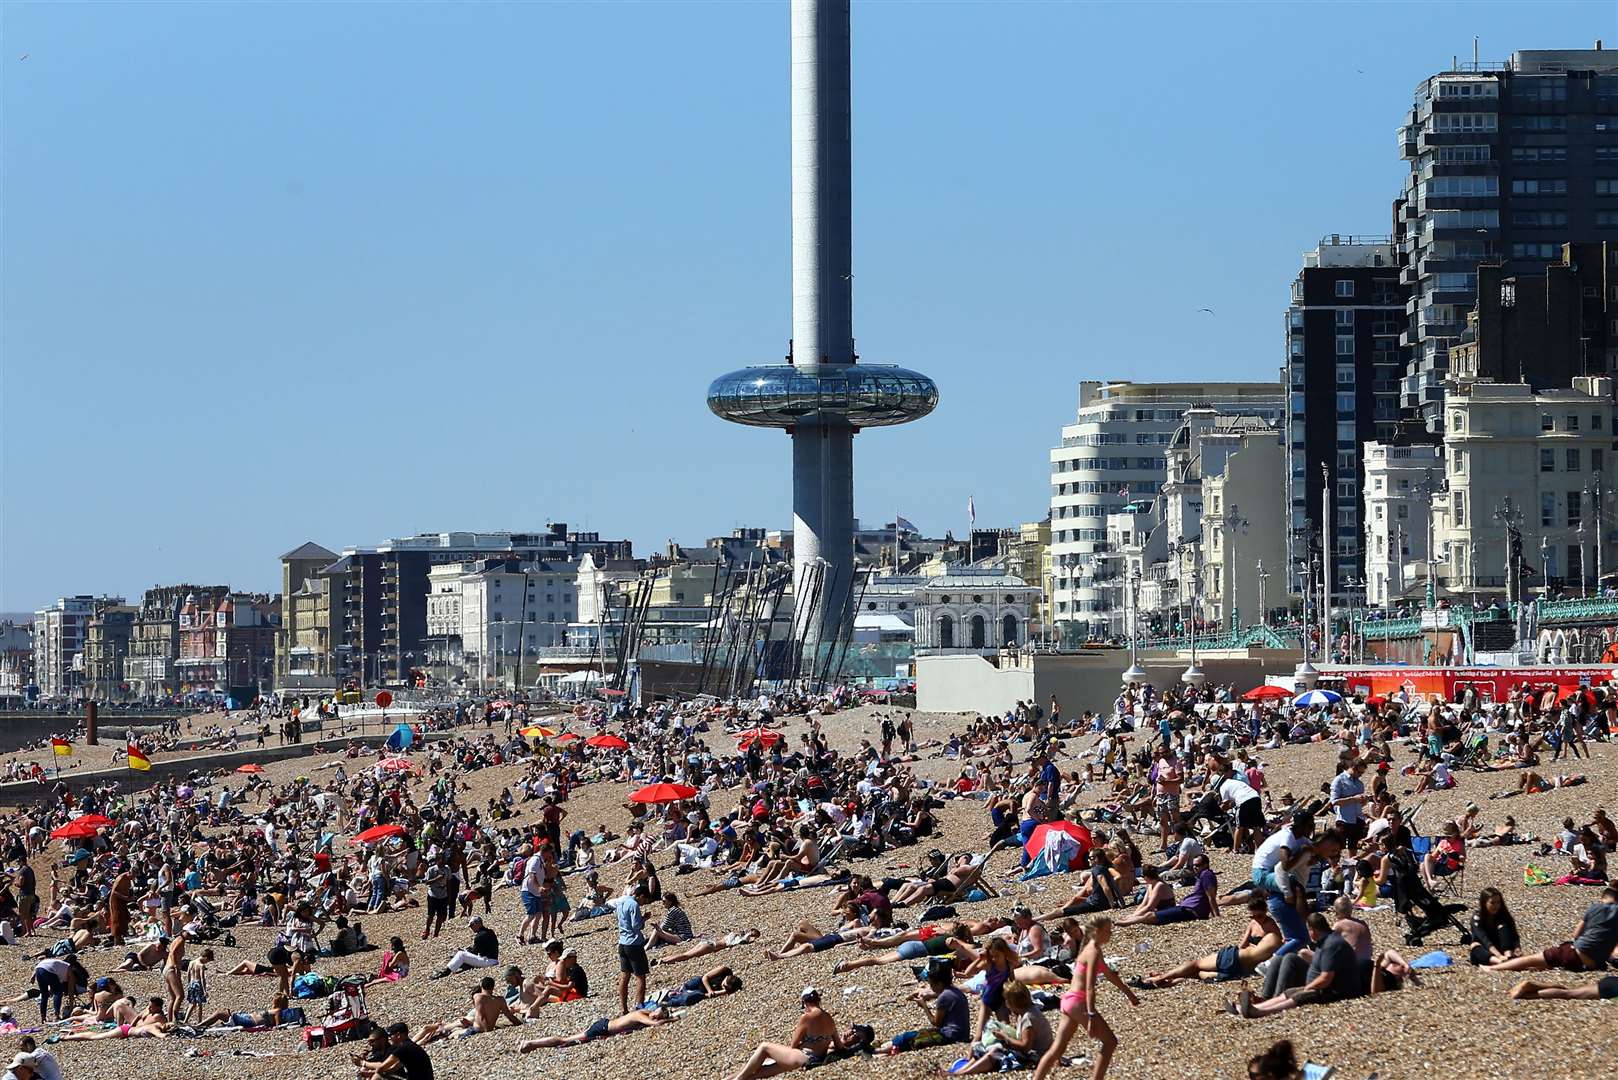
pixel 1193 676
pixel 1135 674
pixel 1263 611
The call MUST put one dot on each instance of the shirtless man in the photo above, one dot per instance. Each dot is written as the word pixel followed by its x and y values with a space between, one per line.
pixel 488 1009
pixel 633 1020
pixel 709 946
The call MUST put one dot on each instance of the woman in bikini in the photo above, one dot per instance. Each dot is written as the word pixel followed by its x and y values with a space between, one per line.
pixel 1258 944
pixel 815 1037
pixel 1078 1004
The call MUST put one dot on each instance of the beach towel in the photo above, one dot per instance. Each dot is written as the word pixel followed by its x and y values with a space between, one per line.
pixel 1535 875
pixel 1435 959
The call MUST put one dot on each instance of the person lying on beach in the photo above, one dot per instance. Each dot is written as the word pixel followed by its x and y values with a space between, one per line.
pixel 1604 988
pixel 1594 940
pixel 1503 835
pixel 1531 783
pixel 153 1024
pixel 807 938
pixel 1333 974
pixel 633 1020
pixel 958 943
pixel 708 946
pixel 280 1012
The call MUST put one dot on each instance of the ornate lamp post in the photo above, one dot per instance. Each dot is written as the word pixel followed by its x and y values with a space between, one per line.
pixel 1135 673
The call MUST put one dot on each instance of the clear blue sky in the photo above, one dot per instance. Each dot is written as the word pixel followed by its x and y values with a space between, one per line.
pixel 341 272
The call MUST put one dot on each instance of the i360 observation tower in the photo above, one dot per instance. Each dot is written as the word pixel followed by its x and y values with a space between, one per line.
pixel 822 396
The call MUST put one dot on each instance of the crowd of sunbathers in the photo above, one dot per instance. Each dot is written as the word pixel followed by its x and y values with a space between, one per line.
pixel 184 864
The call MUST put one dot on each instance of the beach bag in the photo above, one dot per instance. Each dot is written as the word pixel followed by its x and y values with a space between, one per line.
pixel 310 985
pixel 1535 875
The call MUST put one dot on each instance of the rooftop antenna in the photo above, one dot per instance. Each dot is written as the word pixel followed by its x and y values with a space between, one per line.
pixel 1474 52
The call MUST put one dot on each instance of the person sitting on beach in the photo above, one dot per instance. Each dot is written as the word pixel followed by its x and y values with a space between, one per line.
pixel 1158 894
pixel 1018 1041
pixel 395 964
pixel 633 1020
pixel 949 1017
pixel 1445 857
pixel 1594 940
pixel 1494 931
pixel 1258 943
pixel 1332 974
pixel 960 868
pixel 488 1008
pixel 814 1039
pixel 1202 902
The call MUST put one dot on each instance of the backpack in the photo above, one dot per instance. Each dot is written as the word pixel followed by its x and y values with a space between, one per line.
pixel 310 985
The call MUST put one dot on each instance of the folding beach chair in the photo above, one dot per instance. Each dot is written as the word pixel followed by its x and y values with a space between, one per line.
pixel 1449 875
pixel 974 879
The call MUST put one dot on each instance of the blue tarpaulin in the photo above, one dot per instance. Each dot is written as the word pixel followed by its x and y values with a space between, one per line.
pixel 401 738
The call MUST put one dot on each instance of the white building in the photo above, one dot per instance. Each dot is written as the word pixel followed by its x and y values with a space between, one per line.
pixel 1114 451
pixel 59 631
pixel 600 581
pixel 493 615
pixel 1244 526
pixel 1396 515
pixel 1545 452
pixel 974 609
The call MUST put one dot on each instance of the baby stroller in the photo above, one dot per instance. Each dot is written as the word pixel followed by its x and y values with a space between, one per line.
pixel 347 1017
pixel 1423 912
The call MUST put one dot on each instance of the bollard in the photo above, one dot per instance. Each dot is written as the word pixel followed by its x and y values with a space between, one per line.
pixel 90 723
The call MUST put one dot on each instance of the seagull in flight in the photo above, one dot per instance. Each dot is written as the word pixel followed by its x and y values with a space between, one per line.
pixel 1209 310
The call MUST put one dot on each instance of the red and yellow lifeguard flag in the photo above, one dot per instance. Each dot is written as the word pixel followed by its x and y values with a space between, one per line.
pixel 138 760
pixel 62 747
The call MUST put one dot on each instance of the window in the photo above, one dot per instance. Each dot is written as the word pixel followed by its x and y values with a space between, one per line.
pixel 1345 321
pixel 1345 404
pixel 1572 422
pixel 1345 346
pixel 1466 153
pixel 1607 153
pixel 1465 122
pixel 1606 185
pixel 1546 186
pixel 1535 251
pixel 1345 287
pixel 1542 88
pixel 1547 509
pixel 1545 422
pixel 1540 154
pixel 1547 461
pixel 1345 376
pixel 1536 123
pixel 1573 459
pixel 1461 187
pixel 1460 507
pixel 1539 219
pixel 1595 421
pixel 1457 422
pixel 1597 459
pixel 1607 218
pixel 1457 460
pixel 1347 434
pixel 1402 511
pixel 1575 508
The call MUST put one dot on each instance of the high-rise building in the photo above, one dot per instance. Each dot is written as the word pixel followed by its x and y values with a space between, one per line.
pixel 378 595
pixel 1111 453
pixel 1507 162
pixel 59 632
pixel 1343 366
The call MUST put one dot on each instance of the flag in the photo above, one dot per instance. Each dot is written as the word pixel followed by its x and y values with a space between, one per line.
pixel 904 525
pixel 971 512
pixel 62 747
pixel 138 760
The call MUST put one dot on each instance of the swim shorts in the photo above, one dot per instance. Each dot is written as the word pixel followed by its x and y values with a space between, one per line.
pixel 597 1030
pixel 912 950
pixel 1229 964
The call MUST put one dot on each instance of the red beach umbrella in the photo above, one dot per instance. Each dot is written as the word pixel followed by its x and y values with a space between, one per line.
pixel 250 768
pixel 606 742
pixel 1078 832
pixel 378 832
pixel 1267 693
pixel 663 793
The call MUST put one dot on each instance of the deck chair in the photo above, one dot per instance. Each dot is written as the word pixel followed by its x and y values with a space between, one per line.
pixel 974 879
pixel 1451 882
pixel 1423 912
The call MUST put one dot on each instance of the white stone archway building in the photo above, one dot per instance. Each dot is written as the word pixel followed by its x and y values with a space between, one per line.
pixel 974 609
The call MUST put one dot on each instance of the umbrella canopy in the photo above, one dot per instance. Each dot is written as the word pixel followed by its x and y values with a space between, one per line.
pixel 249 768
pixel 606 742
pixel 1317 697
pixel 1267 693
pixel 81 828
pixel 663 793
pixel 566 736
pixel 537 731
pixel 762 736
pixel 378 832
pixel 1377 699
pixel 398 764
pixel 1036 839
